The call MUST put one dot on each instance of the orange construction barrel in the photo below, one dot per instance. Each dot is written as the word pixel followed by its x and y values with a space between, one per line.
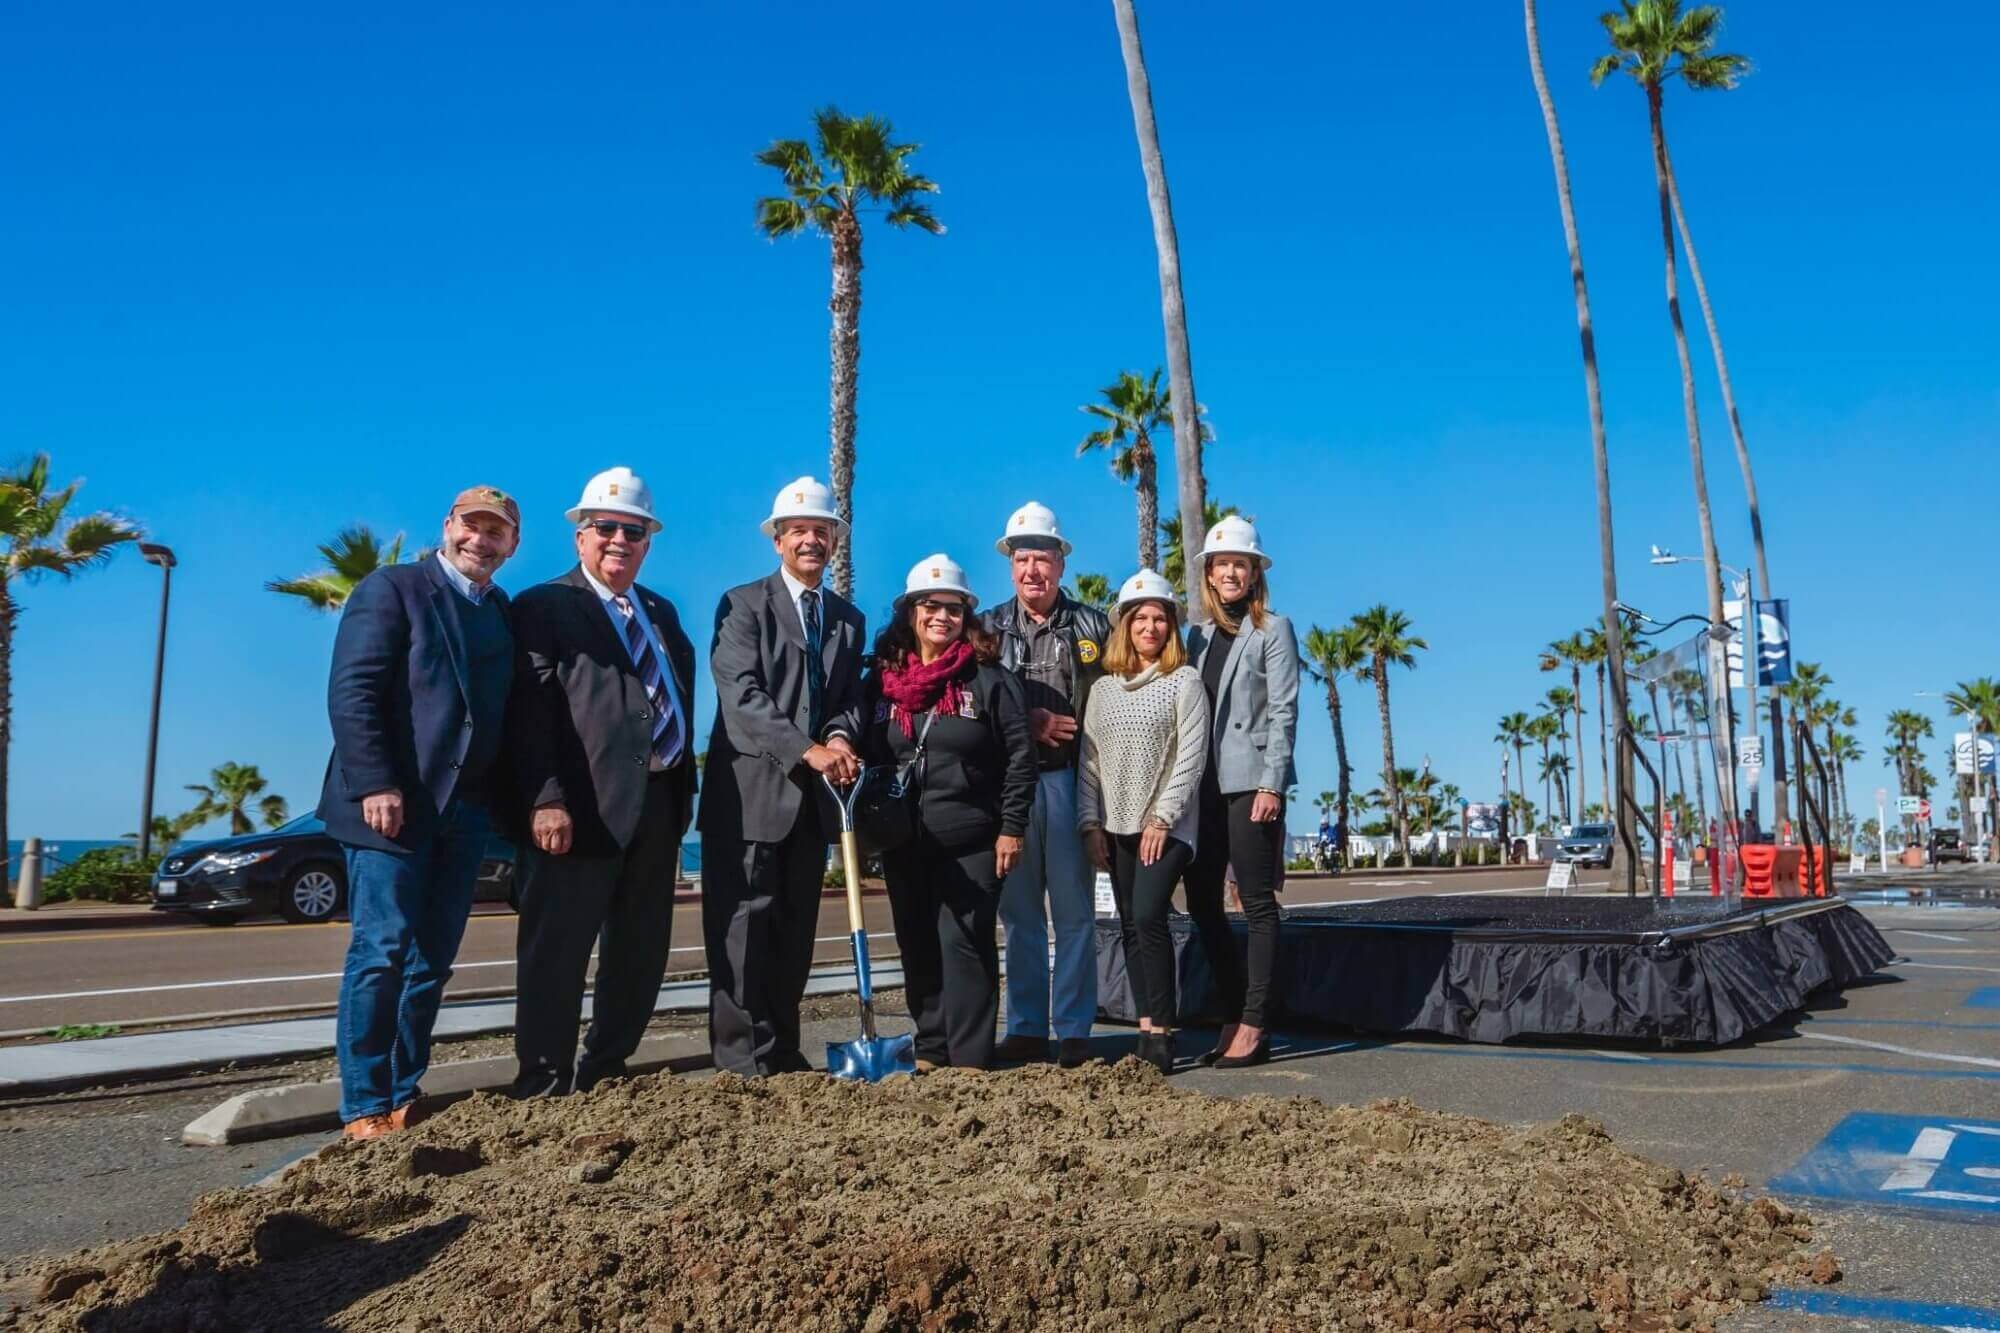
pixel 1760 864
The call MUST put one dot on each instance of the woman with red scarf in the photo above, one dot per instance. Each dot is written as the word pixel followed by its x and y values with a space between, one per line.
pixel 937 699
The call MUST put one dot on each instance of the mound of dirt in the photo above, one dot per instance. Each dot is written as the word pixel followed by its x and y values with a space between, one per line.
pixel 1100 1198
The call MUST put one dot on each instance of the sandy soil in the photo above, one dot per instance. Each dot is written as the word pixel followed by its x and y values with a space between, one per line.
pixel 1103 1198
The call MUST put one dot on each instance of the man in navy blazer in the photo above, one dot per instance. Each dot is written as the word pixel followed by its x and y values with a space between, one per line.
pixel 422 665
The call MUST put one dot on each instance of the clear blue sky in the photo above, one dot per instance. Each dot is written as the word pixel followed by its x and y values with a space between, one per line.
pixel 273 270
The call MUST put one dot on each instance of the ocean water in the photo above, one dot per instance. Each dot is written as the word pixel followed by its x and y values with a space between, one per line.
pixel 57 851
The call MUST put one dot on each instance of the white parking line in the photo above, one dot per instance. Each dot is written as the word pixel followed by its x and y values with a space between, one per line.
pixel 311 976
pixel 1947 967
pixel 1978 1060
pixel 1905 930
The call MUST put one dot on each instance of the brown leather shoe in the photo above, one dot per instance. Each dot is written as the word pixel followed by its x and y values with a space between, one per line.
pixel 409 1113
pixel 371 1126
pixel 1020 1048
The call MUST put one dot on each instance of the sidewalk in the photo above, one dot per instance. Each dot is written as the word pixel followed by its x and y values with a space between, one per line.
pixel 57 1066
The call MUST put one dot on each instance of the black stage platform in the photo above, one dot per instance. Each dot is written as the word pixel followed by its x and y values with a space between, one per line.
pixel 1490 969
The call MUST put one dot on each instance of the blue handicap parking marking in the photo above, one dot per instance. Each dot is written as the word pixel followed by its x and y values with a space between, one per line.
pixel 1986 997
pixel 1936 1163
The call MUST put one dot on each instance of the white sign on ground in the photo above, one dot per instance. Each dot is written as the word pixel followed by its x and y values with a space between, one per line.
pixel 1562 874
pixel 1107 902
pixel 1683 870
pixel 1857 864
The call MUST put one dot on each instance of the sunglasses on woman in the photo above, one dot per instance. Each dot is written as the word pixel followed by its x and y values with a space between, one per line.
pixel 608 528
pixel 932 607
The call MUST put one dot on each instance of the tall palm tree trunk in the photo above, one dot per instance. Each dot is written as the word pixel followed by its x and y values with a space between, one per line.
pixel 1521 764
pixel 1604 743
pixel 1576 689
pixel 1148 488
pixel 9 872
pixel 1389 780
pixel 845 342
pixel 1548 801
pixel 1717 676
pixel 1343 781
pixel 1173 311
pixel 1762 566
pixel 1600 451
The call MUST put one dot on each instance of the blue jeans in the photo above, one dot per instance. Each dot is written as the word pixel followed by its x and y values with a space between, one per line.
pixel 1053 882
pixel 408 911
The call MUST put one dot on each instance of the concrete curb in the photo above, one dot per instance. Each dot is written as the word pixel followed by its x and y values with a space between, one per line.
pixel 303 1108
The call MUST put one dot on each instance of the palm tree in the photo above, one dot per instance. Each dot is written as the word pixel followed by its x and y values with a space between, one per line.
pixel 1514 730
pixel 38 537
pixel 1387 641
pixel 1575 651
pixel 230 790
pixel 1173 551
pixel 353 554
pixel 1614 646
pixel 1188 436
pixel 1845 749
pixel 1560 702
pixel 1653 42
pixel 1095 590
pixel 1543 729
pixel 1688 684
pixel 1331 654
pixel 1555 768
pixel 858 167
pixel 1133 408
pixel 1905 727
pixel 170 829
pixel 1979 702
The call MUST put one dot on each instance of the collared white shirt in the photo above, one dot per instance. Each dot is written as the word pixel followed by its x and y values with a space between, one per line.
pixel 470 591
pixel 798 590
pixel 638 613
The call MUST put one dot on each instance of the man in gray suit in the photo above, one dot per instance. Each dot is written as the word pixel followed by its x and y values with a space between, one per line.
pixel 787 667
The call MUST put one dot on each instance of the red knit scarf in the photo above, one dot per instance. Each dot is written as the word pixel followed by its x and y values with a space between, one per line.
pixel 917 687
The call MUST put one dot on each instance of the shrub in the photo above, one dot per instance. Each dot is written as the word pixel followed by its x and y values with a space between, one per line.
pixel 103 874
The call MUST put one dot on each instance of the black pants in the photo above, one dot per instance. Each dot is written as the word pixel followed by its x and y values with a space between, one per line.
pixel 624 905
pixel 759 914
pixel 1145 895
pixel 946 901
pixel 1229 840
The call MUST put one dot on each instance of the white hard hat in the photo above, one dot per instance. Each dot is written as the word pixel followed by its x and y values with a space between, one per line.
pixel 938 573
pixel 802 498
pixel 1234 535
pixel 617 490
pixel 1034 523
pixel 1148 585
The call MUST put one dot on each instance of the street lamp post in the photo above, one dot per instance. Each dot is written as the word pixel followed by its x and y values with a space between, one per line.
pixel 155 554
pixel 1752 635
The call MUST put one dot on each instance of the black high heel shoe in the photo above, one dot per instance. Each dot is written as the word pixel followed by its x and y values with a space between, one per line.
pixel 1259 1054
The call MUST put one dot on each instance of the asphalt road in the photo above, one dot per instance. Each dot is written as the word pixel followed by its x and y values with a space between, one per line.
pixel 161 972
pixel 1920 1041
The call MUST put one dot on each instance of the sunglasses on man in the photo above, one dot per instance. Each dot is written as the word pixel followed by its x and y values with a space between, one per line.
pixel 608 528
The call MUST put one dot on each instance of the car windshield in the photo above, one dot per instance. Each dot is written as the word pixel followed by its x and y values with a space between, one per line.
pixel 1593 831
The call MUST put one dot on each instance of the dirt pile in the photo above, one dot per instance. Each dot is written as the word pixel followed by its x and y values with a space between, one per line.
pixel 1102 1198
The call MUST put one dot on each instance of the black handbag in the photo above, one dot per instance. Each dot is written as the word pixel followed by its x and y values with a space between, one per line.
pixel 885 811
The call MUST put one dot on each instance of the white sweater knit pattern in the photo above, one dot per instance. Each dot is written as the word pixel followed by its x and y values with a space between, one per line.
pixel 1145 744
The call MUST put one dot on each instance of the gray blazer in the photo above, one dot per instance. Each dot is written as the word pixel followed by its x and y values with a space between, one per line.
pixel 755 776
pixel 1257 707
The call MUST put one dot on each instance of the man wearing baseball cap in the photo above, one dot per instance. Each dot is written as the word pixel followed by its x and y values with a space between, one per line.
pixel 422 665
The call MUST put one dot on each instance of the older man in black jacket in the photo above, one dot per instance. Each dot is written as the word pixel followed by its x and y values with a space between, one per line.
pixel 787 666
pixel 417 696
pixel 603 751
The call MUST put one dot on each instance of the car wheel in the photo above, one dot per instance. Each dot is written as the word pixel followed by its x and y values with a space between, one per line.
pixel 314 893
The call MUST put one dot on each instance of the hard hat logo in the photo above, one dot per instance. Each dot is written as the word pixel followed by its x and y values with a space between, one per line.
pixel 614 488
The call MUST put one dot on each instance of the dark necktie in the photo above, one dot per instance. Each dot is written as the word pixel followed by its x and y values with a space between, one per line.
pixel 666 718
pixel 815 666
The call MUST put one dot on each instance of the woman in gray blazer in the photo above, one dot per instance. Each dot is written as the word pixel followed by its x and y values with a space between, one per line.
pixel 1248 657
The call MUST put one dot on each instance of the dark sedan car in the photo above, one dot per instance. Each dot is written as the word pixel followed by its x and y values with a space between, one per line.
pixel 295 870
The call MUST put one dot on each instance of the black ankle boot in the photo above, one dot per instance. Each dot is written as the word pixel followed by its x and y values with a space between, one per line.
pixel 1157 1050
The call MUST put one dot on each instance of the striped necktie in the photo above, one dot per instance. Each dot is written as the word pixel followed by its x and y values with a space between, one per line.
pixel 666 718
pixel 815 664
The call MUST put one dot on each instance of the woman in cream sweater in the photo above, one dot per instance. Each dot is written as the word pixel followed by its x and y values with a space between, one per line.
pixel 1145 744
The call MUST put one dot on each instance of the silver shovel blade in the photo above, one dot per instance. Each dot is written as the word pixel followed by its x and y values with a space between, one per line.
pixel 869 1061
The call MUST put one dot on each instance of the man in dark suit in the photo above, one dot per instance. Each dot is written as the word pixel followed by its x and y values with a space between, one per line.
pixel 422 665
pixel 787 667
pixel 602 750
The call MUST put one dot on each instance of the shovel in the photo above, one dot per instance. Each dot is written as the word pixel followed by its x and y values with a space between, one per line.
pixel 871 1058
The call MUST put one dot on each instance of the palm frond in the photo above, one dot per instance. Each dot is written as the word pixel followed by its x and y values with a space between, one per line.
pixel 322 592
pixel 90 540
pixel 31 562
pixel 778 216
